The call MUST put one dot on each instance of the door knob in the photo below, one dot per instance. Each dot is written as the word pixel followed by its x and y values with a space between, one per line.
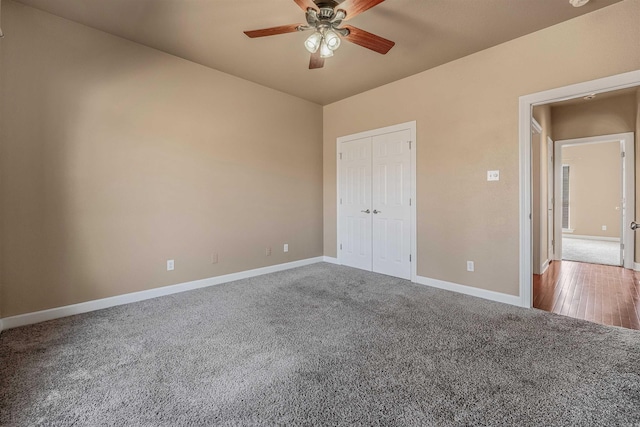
pixel 376 211
pixel 367 211
pixel 634 225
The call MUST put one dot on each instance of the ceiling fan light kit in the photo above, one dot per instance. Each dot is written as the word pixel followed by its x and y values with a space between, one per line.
pixel 324 18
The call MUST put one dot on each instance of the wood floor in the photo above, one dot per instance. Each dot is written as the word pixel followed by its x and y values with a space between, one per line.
pixel 598 293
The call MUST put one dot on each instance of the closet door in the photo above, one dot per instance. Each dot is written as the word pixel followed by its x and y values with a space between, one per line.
pixel 356 203
pixel 391 211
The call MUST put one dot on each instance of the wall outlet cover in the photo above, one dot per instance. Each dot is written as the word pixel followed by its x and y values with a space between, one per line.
pixel 170 265
pixel 493 175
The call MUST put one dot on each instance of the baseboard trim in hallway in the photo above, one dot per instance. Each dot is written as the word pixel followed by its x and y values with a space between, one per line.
pixel 99 304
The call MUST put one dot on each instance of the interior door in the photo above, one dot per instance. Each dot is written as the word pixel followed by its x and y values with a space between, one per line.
pixel 356 204
pixel 391 209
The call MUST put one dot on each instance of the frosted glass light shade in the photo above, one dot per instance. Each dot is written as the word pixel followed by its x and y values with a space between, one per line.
pixel 325 52
pixel 332 39
pixel 312 43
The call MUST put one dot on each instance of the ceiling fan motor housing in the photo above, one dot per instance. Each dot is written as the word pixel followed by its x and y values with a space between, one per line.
pixel 326 13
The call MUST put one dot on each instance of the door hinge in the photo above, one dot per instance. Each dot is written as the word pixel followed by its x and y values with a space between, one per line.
pixel 623 154
pixel 409 258
pixel 340 246
pixel 340 156
pixel 410 144
pixel 340 200
pixel 621 245
pixel 409 201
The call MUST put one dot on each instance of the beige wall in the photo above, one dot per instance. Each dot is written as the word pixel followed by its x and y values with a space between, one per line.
pixel 467 123
pixel 595 188
pixel 116 157
pixel 597 117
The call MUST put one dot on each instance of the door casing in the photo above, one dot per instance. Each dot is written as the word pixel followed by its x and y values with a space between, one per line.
pixel 526 104
pixel 627 144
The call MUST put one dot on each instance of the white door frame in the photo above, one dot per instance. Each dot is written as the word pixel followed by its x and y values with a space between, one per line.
pixel 551 248
pixel 411 126
pixel 627 141
pixel 527 102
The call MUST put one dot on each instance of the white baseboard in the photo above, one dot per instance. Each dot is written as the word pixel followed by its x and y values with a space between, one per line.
pixel 543 267
pixel 331 260
pixel 578 236
pixel 469 290
pixel 636 266
pixel 99 304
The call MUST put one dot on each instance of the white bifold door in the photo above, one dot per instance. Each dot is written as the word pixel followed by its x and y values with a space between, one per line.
pixel 375 203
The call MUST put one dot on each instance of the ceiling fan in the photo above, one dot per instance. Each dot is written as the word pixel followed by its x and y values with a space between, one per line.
pixel 325 18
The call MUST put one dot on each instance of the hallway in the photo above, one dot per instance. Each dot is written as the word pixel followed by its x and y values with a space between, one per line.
pixel 599 293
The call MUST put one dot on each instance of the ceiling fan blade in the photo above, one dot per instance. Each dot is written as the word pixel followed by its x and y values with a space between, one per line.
pixel 306 4
pixel 368 40
pixel 356 7
pixel 283 29
pixel 316 61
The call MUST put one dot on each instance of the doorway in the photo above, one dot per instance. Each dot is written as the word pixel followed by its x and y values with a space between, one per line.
pixel 589 291
pixel 376 201
pixel 526 104
pixel 595 186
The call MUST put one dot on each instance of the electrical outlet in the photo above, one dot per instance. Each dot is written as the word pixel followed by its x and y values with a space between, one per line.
pixel 267 252
pixel 286 247
pixel 170 265
pixel 493 175
pixel 604 228
pixel 214 258
pixel 471 266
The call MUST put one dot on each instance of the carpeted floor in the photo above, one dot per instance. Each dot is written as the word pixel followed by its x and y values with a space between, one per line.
pixel 591 251
pixel 319 345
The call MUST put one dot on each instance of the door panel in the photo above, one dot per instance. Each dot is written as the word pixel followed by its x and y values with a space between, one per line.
pixel 391 160
pixel 356 198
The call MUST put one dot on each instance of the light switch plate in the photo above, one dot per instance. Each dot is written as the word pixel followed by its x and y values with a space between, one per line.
pixel 493 175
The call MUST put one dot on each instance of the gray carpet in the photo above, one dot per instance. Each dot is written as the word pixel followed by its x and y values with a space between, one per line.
pixel 591 251
pixel 319 345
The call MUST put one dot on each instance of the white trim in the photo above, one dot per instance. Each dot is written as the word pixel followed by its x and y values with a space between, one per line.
pixel 99 304
pixel 535 126
pixel 469 290
pixel 526 104
pixel 636 266
pixel 543 267
pixel 584 237
pixel 410 126
pixel 331 260
pixel 627 180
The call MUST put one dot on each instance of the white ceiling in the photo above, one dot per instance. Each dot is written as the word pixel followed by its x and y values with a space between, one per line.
pixel 427 33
